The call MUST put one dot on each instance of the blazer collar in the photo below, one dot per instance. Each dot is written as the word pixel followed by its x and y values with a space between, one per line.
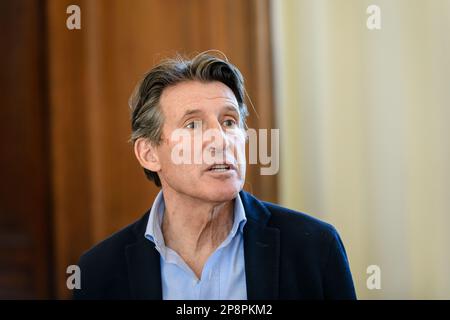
pixel 143 261
pixel 261 253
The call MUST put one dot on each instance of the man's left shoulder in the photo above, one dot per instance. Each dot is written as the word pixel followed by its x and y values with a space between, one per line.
pixel 313 246
pixel 298 224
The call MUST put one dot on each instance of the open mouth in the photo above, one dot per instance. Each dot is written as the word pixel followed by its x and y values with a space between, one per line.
pixel 219 168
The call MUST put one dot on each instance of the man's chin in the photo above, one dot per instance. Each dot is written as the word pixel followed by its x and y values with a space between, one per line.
pixel 221 194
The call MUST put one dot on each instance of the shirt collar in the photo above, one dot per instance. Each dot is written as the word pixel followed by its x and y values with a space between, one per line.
pixel 153 231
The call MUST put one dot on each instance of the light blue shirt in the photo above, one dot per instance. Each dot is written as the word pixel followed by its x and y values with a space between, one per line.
pixel 223 275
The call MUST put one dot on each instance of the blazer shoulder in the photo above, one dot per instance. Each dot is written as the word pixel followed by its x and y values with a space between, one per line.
pixel 318 245
pixel 104 266
pixel 108 250
pixel 297 221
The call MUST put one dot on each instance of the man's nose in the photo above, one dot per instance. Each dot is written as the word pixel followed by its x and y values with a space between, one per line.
pixel 217 138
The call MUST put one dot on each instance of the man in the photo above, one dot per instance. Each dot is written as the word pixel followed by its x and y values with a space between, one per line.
pixel 204 237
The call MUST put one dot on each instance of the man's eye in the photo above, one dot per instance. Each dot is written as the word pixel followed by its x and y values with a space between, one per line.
pixel 194 124
pixel 229 123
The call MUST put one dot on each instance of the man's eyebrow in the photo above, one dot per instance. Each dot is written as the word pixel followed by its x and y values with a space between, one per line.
pixel 232 108
pixel 228 107
pixel 192 111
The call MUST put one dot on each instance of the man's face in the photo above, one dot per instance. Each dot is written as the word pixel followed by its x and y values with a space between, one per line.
pixel 202 152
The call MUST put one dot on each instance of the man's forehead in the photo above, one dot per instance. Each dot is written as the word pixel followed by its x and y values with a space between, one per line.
pixel 194 94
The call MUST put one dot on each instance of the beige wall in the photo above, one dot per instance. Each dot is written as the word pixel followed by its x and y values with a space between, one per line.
pixel 363 117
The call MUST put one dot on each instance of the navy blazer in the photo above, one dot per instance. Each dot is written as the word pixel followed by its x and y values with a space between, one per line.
pixel 288 255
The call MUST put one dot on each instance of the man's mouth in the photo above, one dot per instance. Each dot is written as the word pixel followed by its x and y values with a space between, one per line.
pixel 220 167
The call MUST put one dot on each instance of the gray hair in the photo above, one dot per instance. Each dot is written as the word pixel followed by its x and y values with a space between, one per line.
pixel 147 119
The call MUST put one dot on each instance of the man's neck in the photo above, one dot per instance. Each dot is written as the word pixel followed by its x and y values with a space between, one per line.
pixel 194 228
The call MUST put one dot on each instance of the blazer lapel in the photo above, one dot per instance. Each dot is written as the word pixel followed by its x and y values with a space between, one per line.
pixel 144 269
pixel 261 251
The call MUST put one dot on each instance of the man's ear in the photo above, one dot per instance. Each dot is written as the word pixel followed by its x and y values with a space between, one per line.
pixel 147 155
